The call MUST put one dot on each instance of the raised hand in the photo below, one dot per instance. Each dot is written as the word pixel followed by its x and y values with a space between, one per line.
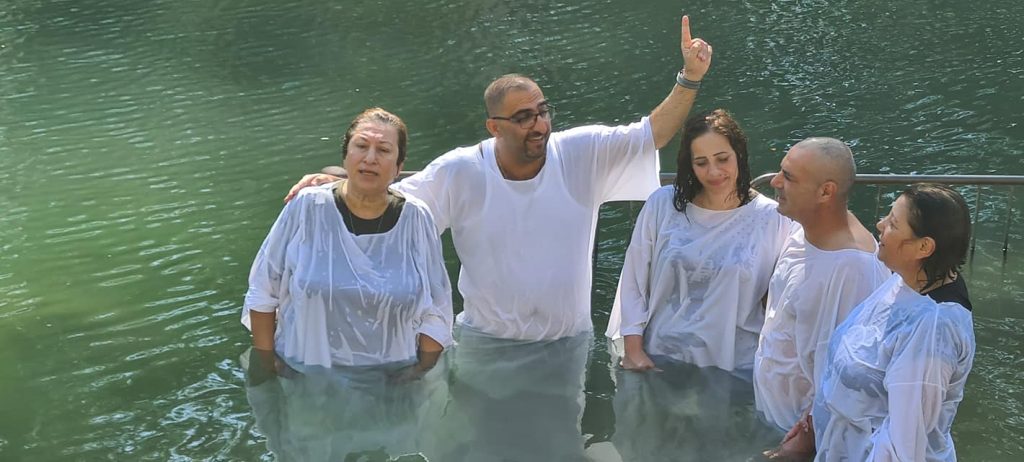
pixel 696 54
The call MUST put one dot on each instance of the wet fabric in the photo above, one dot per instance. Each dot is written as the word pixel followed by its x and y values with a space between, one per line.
pixel 692 284
pixel 514 400
pixel 526 246
pixel 895 375
pixel 687 413
pixel 381 224
pixel 349 413
pixel 351 300
pixel 810 293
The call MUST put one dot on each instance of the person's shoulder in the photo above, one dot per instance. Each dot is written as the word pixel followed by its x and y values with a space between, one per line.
pixel 458 163
pixel 946 320
pixel 414 205
pixel 952 314
pixel 766 207
pixel 665 193
pixel 856 261
pixel 315 194
pixel 763 202
pixel 419 210
pixel 459 157
pixel 599 129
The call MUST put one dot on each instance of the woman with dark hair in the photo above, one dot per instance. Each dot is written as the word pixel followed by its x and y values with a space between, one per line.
pixel 351 273
pixel 700 258
pixel 897 365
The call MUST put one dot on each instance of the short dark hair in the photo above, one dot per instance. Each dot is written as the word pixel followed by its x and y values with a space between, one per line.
pixel 378 115
pixel 942 214
pixel 719 121
pixel 495 93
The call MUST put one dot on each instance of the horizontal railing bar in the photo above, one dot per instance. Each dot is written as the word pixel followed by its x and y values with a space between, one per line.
pixel 865 178
pixel 876 178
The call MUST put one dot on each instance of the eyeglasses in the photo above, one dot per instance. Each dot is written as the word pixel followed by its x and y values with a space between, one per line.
pixel 527 119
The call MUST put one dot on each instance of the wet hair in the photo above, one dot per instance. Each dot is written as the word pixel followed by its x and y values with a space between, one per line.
pixel 378 115
pixel 495 93
pixel 719 121
pixel 940 213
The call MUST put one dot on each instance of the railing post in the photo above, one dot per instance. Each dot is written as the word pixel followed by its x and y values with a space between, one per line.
pixel 1009 218
pixel 878 200
pixel 974 222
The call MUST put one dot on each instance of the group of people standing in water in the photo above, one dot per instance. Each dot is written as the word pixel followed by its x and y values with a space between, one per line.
pixel 857 349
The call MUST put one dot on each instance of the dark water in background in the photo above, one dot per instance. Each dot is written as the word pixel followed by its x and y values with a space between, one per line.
pixel 145 147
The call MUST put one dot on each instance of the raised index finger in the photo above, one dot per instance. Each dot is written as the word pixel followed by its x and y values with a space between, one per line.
pixel 687 38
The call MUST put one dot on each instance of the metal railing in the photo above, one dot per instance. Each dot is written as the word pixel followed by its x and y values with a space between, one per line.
pixel 880 180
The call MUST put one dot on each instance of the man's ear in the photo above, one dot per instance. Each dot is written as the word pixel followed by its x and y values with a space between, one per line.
pixel 827 191
pixel 492 127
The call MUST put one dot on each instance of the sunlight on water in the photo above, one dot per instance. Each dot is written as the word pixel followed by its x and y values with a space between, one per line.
pixel 145 148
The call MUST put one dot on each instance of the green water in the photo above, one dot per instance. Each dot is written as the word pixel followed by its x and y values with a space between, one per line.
pixel 145 148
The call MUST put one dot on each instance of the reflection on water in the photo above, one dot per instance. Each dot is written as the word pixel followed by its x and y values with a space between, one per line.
pixel 145 147
pixel 346 413
pixel 688 413
pixel 516 401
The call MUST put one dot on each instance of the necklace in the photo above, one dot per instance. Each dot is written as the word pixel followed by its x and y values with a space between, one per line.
pixel 347 215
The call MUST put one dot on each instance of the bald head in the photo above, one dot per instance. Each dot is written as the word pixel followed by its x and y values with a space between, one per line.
pixel 495 93
pixel 830 160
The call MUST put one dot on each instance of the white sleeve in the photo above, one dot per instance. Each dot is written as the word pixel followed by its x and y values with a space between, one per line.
pixel 916 379
pixel 633 295
pixel 437 314
pixel 268 268
pixel 431 186
pixel 618 163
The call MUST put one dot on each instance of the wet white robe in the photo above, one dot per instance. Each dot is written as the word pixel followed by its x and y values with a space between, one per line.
pixel 894 377
pixel 810 293
pixel 526 246
pixel 350 300
pixel 692 284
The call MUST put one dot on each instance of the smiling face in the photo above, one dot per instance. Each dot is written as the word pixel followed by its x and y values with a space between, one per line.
pixel 525 144
pixel 372 157
pixel 797 189
pixel 898 247
pixel 714 163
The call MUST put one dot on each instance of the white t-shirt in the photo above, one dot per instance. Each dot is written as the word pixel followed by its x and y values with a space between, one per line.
pixel 526 246
pixel 692 284
pixel 810 293
pixel 350 300
pixel 894 377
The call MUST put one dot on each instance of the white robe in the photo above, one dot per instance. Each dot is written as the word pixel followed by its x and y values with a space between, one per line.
pixel 350 300
pixel 692 284
pixel 894 378
pixel 526 246
pixel 810 293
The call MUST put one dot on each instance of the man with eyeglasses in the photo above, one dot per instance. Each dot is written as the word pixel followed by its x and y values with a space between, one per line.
pixel 523 205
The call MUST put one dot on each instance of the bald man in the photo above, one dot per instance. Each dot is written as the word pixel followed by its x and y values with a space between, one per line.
pixel 827 266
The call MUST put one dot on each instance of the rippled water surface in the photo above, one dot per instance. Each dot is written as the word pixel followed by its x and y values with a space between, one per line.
pixel 145 148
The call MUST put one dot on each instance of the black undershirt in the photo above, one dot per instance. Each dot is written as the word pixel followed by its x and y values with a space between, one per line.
pixel 955 291
pixel 382 224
